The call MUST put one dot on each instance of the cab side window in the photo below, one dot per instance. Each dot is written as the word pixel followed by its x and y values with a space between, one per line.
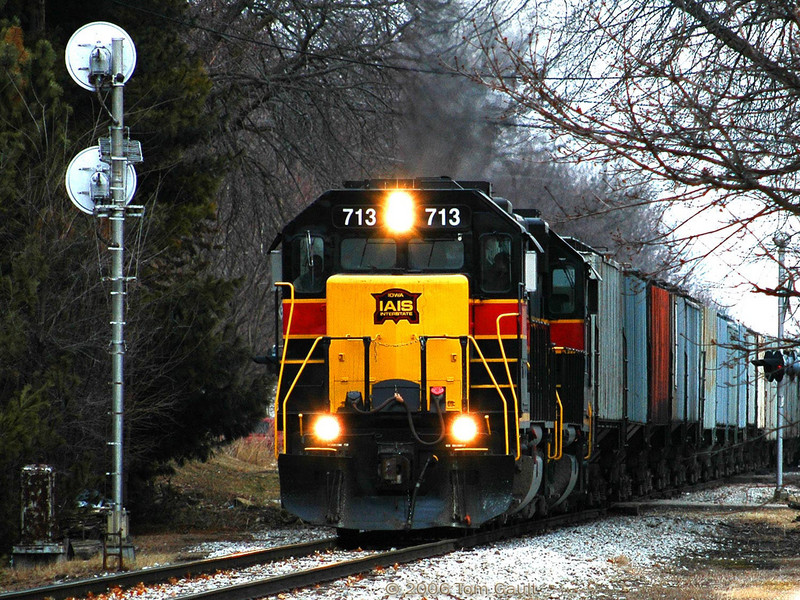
pixel 308 263
pixel 496 263
pixel 562 296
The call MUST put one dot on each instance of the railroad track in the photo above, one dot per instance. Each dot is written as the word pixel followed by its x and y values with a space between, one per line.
pixel 97 585
pixel 710 484
pixel 272 585
pixel 330 572
pixel 347 568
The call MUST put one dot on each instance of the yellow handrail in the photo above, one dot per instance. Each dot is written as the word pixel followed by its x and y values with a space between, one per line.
pixel 280 372
pixel 510 382
pixel 589 455
pixel 559 432
pixel 291 387
pixel 496 386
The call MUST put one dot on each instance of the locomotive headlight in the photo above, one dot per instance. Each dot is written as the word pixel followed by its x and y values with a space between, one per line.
pixel 398 214
pixel 464 428
pixel 327 428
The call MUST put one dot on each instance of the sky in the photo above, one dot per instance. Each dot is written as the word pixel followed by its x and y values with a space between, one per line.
pixel 732 266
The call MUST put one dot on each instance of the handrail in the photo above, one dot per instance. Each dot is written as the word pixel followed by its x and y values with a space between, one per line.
pixel 510 382
pixel 280 372
pixel 559 432
pixel 306 361
pixel 320 338
pixel 496 385
pixel 291 387
pixel 589 455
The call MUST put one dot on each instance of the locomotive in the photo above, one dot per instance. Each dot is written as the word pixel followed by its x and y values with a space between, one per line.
pixel 445 361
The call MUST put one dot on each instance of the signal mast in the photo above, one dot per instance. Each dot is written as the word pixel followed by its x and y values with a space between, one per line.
pixel 101 56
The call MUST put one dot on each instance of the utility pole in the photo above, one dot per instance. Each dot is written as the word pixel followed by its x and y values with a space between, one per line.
pixel 781 240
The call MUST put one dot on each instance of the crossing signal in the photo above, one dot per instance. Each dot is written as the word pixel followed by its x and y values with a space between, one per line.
pixel 772 363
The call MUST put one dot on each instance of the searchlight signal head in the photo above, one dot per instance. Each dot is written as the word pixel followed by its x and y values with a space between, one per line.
pixel 99 66
pixel 88 55
pixel 773 365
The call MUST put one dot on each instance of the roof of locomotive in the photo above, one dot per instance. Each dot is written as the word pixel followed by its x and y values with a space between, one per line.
pixel 480 193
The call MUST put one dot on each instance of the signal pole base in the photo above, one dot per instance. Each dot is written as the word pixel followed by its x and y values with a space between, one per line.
pixel 781 495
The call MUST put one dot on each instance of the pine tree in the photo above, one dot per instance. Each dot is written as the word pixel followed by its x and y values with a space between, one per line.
pixel 186 383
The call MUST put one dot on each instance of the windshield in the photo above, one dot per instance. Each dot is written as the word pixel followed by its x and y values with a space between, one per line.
pixel 368 254
pixel 435 255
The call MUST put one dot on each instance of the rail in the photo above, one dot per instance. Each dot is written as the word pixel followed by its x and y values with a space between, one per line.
pixel 499 391
pixel 510 381
pixel 314 577
pixel 311 579
pixel 591 419
pixel 326 342
pixel 291 388
pixel 99 586
pixel 491 376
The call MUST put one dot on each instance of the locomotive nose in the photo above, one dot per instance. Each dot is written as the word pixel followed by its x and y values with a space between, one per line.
pixel 413 326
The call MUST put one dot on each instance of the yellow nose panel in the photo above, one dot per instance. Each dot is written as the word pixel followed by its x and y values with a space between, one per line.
pixel 395 312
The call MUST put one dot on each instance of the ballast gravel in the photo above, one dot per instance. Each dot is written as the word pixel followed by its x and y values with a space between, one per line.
pixel 196 585
pixel 592 560
pixel 606 559
pixel 261 540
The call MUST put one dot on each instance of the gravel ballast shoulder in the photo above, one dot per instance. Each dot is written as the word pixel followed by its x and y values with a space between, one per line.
pixel 620 557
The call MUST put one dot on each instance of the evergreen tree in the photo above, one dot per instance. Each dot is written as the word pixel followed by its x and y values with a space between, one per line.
pixel 186 385
pixel 32 378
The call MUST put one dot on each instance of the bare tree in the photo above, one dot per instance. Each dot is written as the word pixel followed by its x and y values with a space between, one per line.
pixel 304 102
pixel 699 96
pixel 311 94
pixel 616 218
pixel 446 124
pixel 449 125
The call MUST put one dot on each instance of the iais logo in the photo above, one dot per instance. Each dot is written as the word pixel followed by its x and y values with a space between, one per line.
pixel 396 305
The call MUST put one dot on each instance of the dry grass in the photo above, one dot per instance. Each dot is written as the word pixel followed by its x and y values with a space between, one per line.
pixel 246 469
pixel 253 450
pixel 224 498
pixel 772 589
pixel 11 579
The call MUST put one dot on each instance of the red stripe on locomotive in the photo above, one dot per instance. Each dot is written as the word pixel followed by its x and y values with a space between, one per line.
pixel 484 318
pixel 568 334
pixel 309 318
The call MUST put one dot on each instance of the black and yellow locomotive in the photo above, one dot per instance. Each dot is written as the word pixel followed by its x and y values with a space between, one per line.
pixel 424 380
pixel 446 361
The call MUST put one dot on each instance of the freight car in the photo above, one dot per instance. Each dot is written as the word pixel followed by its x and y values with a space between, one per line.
pixel 446 361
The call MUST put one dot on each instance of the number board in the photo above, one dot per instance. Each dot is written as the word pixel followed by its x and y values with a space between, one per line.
pixel 427 217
